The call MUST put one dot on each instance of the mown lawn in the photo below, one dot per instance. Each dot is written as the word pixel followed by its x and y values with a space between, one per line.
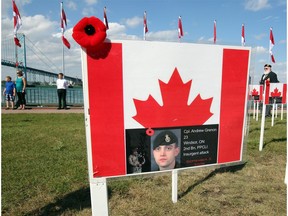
pixel 44 172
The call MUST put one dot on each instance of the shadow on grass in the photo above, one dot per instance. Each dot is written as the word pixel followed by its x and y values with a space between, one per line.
pixel 254 129
pixel 75 201
pixel 275 140
pixel 281 122
pixel 80 199
pixel 210 175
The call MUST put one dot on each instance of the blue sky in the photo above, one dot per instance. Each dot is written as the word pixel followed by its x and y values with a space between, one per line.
pixel 41 26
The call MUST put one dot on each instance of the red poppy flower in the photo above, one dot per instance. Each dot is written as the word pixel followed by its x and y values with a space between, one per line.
pixel 89 32
pixel 150 132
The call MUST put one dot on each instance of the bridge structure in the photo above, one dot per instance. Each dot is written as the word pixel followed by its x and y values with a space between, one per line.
pixel 16 57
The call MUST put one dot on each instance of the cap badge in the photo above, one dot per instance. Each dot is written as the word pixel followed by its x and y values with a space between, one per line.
pixel 167 138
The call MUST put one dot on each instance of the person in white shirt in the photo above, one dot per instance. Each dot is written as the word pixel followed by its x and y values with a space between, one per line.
pixel 62 85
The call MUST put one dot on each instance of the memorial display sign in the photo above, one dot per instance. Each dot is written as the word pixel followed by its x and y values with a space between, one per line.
pixel 144 99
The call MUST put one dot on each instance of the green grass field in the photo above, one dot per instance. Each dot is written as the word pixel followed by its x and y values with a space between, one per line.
pixel 44 172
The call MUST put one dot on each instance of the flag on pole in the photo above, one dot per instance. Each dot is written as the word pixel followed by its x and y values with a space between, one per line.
pixel 17 23
pixel 214 31
pixel 271 45
pixel 145 26
pixel 243 36
pixel 63 24
pixel 180 29
pixel 105 19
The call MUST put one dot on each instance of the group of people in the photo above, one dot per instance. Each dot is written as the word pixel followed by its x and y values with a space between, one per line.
pixel 19 88
pixel 12 89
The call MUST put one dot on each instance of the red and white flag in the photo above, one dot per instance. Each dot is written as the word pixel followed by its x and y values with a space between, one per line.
pixel 271 45
pixel 180 28
pixel 243 35
pixel 17 23
pixel 145 26
pixel 175 97
pixel 63 25
pixel 276 90
pixel 215 35
pixel 105 19
pixel 256 92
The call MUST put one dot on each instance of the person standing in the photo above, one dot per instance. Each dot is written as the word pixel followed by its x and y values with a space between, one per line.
pixel 62 85
pixel 272 78
pixel 20 90
pixel 9 92
pixel 136 161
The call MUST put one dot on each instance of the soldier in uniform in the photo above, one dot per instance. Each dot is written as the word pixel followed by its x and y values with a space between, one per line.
pixel 136 160
pixel 165 150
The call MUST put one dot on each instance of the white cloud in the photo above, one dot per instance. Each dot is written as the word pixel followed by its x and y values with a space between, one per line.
pixel 35 27
pixel 280 68
pixel 282 42
pixel 89 11
pixel 256 5
pixel 259 50
pixel 118 31
pixel 260 36
pixel 116 28
pixel 211 39
pixel 133 22
pixel 168 35
pixel 72 5
pixel 270 18
pixel 267 18
pixel 6 7
pixel 201 39
pixel 91 2
pixel 44 45
pixel 39 24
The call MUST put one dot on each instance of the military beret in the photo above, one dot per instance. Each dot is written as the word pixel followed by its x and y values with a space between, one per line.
pixel 267 65
pixel 165 138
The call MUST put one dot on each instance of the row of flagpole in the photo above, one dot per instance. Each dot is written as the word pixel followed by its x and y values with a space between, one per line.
pixel 63 25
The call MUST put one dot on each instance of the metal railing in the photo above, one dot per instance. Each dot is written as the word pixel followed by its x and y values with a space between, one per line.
pixel 47 96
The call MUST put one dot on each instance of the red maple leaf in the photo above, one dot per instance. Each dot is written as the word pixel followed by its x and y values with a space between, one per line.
pixel 276 93
pixel 175 110
pixel 254 92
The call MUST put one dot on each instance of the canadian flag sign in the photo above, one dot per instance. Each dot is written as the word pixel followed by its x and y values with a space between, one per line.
pixel 153 106
pixel 277 91
pixel 256 92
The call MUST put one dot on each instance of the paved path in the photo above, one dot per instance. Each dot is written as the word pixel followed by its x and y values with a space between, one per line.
pixel 71 110
pixel 43 110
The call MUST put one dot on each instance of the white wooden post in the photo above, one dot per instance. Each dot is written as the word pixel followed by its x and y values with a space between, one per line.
pixel 99 197
pixel 273 113
pixel 254 108
pixel 282 106
pixel 174 186
pixel 262 127
pixel 272 119
pixel 257 110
